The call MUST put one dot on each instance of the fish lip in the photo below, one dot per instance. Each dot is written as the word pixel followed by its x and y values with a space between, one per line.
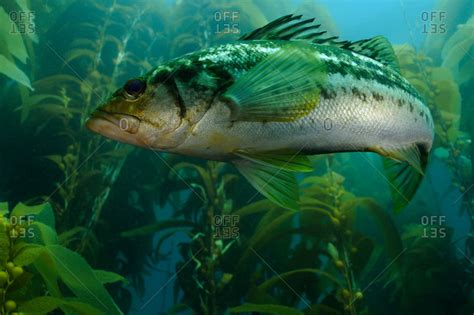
pixel 117 119
pixel 99 113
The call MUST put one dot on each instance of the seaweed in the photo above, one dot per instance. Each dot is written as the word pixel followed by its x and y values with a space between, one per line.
pixel 35 266
pixel 70 79
pixel 455 53
pixel 427 262
pixel 443 81
pixel 14 53
pixel 442 95
pixel 453 14
pixel 216 272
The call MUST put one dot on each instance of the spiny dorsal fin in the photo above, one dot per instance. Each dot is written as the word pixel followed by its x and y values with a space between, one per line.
pixel 287 27
pixel 377 48
pixel 291 27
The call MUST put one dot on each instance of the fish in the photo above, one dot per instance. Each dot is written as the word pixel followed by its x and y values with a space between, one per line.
pixel 271 99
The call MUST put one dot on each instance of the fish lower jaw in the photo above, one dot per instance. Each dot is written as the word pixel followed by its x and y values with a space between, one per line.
pixel 110 130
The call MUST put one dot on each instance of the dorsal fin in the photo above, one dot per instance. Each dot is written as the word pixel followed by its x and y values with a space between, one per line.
pixel 377 48
pixel 288 27
pixel 292 27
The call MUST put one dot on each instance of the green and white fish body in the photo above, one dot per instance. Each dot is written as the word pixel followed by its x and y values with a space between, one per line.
pixel 353 114
pixel 267 101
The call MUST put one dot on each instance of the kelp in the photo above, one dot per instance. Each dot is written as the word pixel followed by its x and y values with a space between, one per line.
pixel 71 78
pixel 447 13
pixel 327 220
pixel 184 37
pixel 428 261
pixel 327 215
pixel 266 309
pixel 13 49
pixel 456 52
pixel 439 89
pixel 441 93
pixel 35 267
pixel 79 93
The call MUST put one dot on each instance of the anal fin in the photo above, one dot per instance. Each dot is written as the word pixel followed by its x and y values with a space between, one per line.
pixel 404 167
pixel 410 154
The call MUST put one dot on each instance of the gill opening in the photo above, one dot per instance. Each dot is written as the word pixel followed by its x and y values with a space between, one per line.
pixel 179 100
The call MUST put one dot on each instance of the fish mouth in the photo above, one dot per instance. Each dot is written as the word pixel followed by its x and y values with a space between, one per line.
pixel 124 122
pixel 117 126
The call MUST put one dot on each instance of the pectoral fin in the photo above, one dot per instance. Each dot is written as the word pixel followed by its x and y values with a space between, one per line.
pixel 284 87
pixel 276 184
pixel 404 167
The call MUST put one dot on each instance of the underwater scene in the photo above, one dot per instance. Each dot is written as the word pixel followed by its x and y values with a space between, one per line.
pixel 290 157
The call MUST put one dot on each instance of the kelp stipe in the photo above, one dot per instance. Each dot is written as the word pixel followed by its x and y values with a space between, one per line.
pixel 195 215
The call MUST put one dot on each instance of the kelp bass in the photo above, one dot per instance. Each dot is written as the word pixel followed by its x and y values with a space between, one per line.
pixel 267 101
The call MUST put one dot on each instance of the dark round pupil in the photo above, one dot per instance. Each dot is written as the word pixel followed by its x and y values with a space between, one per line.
pixel 134 87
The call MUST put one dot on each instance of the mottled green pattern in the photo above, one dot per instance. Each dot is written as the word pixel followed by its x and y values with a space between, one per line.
pixel 227 62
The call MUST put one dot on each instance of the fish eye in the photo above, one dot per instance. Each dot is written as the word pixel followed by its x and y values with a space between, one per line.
pixel 134 88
